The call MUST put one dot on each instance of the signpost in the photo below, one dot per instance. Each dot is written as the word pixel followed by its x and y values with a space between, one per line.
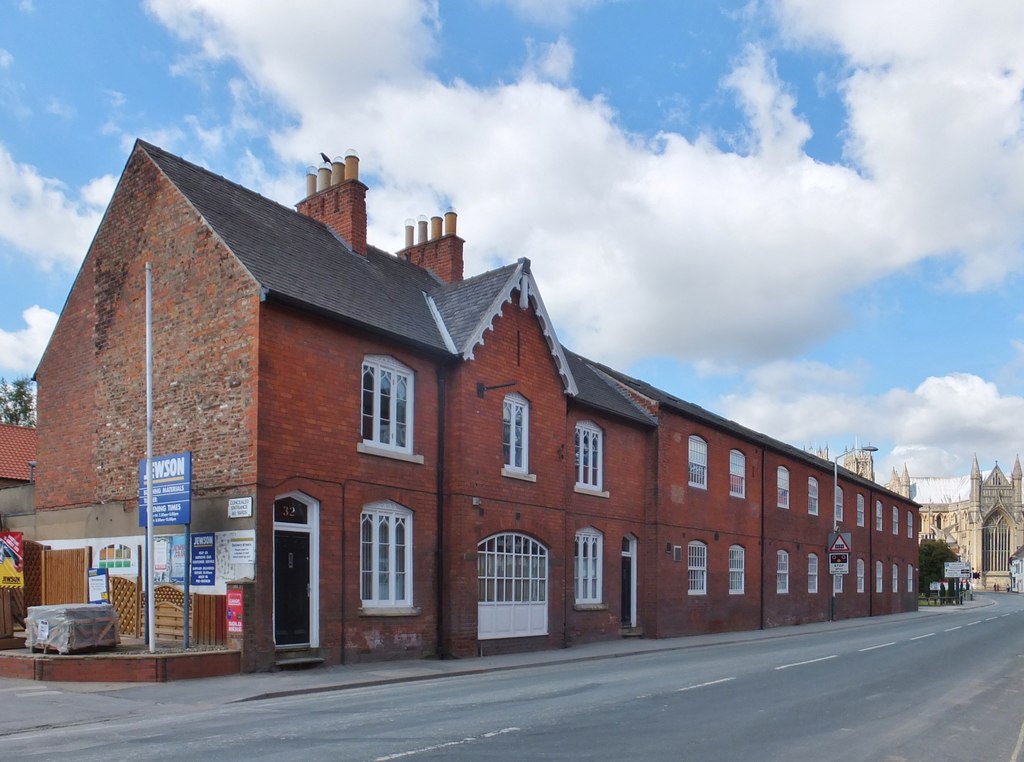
pixel 165 491
pixel 838 549
pixel 957 570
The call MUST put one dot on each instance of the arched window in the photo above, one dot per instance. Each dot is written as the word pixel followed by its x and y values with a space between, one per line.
pixel 782 572
pixel 385 555
pixel 878 574
pixel 589 565
pixel 838 508
pixel 895 578
pixel 589 455
pixel 878 517
pixel 812 496
pixel 995 543
pixel 512 579
pixel 697 568
pixel 737 474
pixel 910 524
pixel 737 562
pixel 782 483
pixel 387 404
pixel 860 575
pixel 910 578
pixel 860 511
pixel 698 462
pixel 812 573
pixel 515 433
pixel 895 520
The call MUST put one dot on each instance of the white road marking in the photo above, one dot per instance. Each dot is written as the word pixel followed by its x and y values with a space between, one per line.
pixel 880 645
pixel 971 624
pixel 923 636
pixel 704 685
pixel 447 745
pixel 990 618
pixel 953 628
pixel 809 661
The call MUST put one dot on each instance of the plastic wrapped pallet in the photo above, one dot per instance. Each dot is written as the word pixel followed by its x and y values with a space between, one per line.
pixel 71 627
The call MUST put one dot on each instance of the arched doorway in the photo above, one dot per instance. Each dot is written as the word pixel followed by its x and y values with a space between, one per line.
pixel 296 578
pixel 627 609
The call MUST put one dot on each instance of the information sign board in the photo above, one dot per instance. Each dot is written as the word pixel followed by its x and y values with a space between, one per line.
pixel 172 489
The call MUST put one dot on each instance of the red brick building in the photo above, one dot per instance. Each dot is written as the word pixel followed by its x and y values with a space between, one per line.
pixel 430 471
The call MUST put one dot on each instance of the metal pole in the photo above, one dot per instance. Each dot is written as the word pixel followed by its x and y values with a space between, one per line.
pixel 150 593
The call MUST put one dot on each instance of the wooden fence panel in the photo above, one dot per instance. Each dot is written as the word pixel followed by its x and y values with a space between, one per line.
pixel 65 576
pixel 209 620
pixel 6 614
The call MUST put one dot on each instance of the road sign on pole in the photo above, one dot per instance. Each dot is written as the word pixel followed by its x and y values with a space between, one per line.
pixel 839 548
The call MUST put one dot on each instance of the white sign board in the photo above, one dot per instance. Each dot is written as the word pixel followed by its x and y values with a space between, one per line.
pixel 239 507
pixel 957 570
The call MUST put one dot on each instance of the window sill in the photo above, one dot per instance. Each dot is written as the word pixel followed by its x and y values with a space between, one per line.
pixel 382 452
pixel 736 592
pixel 591 491
pixel 521 475
pixel 697 486
pixel 389 611
pixel 590 607
pixel 696 593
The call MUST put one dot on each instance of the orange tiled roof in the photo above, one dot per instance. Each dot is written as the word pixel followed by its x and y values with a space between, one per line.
pixel 17 448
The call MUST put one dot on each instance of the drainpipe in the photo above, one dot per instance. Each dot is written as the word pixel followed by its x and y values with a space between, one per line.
pixel 762 540
pixel 871 553
pixel 442 376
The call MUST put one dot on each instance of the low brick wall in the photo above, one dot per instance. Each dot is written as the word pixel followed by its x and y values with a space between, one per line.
pixel 113 668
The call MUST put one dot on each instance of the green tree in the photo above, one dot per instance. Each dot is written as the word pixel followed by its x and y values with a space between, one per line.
pixel 18 402
pixel 932 557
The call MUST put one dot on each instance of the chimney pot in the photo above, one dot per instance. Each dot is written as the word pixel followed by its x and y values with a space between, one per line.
pixel 310 181
pixel 435 228
pixel 323 178
pixel 410 233
pixel 422 226
pixel 450 219
pixel 337 170
pixel 351 164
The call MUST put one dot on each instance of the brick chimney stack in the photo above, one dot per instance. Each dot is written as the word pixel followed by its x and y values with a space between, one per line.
pixel 336 197
pixel 441 253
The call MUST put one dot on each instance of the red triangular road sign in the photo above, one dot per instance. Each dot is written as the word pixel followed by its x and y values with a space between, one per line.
pixel 839 545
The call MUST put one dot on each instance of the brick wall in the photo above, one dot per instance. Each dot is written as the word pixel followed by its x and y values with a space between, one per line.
pixel 92 382
pixel 310 382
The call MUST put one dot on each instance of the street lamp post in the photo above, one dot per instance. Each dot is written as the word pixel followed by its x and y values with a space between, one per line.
pixel 835 510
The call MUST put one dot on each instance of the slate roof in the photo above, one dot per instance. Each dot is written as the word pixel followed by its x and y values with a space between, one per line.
pixel 463 304
pixel 596 391
pixel 299 260
pixel 672 402
pixel 17 448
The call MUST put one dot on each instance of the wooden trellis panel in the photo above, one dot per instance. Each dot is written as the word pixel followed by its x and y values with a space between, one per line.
pixel 127 600
pixel 65 576
pixel 33 573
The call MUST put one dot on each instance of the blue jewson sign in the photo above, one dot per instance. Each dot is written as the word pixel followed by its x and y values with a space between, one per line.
pixel 204 559
pixel 172 489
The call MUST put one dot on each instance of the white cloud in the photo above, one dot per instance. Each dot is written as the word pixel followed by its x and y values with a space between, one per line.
pixel 552 61
pixel 22 349
pixel 43 218
pixel 936 427
pixel 6 59
pixel 59 108
pixel 662 228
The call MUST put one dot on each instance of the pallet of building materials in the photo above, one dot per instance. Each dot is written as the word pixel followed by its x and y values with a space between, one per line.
pixel 71 628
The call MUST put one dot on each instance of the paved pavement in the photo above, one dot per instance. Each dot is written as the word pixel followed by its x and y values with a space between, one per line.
pixel 252 687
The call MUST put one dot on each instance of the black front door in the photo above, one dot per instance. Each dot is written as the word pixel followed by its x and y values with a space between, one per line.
pixel 291 588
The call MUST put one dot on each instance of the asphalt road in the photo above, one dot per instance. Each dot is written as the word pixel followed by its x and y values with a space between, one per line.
pixel 933 688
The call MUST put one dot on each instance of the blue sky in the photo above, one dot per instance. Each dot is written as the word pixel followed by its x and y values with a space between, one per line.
pixel 805 216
